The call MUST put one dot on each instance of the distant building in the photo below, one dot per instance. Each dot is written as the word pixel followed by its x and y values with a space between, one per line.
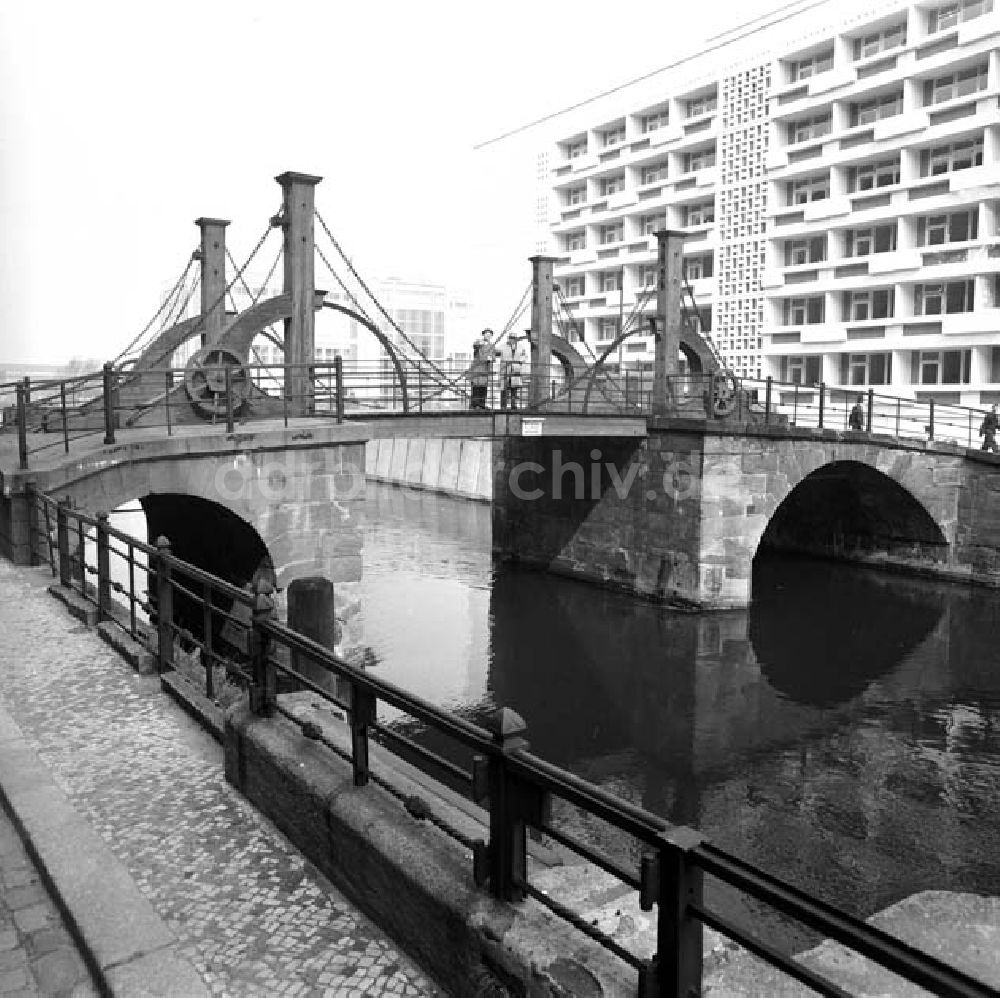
pixel 836 171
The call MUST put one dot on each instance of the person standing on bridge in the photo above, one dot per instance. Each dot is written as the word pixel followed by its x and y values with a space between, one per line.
pixel 479 371
pixel 856 420
pixel 512 373
pixel 988 430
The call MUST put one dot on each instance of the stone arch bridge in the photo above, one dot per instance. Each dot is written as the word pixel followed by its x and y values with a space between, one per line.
pixel 680 515
pixel 674 510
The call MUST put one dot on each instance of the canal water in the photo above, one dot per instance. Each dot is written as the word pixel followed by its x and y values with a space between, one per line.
pixel 844 733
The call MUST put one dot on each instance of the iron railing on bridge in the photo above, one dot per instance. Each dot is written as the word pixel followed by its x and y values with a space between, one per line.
pixel 50 416
pixel 234 630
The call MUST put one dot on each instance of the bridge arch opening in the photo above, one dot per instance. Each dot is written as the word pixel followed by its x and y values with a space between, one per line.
pixel 209 535
pixel 852 511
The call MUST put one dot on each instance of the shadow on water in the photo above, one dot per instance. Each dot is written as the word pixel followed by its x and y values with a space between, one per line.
pixel 822 632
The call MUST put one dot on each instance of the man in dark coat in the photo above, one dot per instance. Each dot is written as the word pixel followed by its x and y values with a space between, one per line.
pixel 988 430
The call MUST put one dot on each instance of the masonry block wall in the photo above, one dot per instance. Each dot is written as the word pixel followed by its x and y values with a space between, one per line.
pixel 620 512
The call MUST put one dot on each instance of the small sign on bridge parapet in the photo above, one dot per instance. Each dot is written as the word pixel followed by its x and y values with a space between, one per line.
pixel 531 426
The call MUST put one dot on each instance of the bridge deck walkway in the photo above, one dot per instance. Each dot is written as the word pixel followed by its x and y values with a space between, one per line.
pixel 248 913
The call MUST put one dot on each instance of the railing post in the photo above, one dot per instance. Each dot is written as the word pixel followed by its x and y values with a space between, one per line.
pixel 109 403
pixel 31 501
pixel 822 402
pixel 338 375
pixel 264 687
pixel 795 405
pixel 970 428
pixel 65 417
pixel 103 568
pixel 420 388
pixel 767 401
pixel 164 606
pixel 513 804
pixel 229 399
pixel 673 881
pixel 168 385
pixel 871 410
pixel 62 540
pixel 930 425
pixel 22 425
pixel 362 717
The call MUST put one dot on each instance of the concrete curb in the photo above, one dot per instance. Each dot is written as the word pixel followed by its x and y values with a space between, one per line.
pixel 127 947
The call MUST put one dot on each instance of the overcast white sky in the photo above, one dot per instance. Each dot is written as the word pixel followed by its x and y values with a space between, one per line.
pixel 122 122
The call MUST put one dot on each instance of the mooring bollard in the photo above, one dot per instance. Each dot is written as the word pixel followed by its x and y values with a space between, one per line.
pixel 311 614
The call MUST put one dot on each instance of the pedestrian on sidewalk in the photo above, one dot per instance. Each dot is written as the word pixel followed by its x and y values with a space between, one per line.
pixel 988 430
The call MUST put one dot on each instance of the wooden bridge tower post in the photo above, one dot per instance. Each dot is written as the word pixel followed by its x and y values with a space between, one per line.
pixel 298 205
pixel 541 328
pixel 212 255
pixel 670 264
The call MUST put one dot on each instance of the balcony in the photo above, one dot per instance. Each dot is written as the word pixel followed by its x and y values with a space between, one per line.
pixel 834 79
pixel 901 124
pixel 668 133
pixel 889 263
pixel 816 211
pixel 979 27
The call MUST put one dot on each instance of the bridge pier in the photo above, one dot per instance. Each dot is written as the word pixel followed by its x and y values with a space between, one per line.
pixel 680 516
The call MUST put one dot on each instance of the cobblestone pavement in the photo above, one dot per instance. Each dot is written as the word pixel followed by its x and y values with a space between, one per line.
pixel 37 955
pixel 249 912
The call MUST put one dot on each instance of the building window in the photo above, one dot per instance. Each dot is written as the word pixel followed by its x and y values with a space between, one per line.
pixel 941 367
pixel 866 369
pixel 658 119
pixel 699 214
pixel 949 14
pixel 959 226
pixel 800 251
pixel 868 111
pixel 648 276
pixel 698 267
pixel 701 159
pixel 607 329
pixel 652 223
pixel 959 84
pixel 947 159
pixel 576 240
pixel 871 239
pixel 611 280
pixel 576 149
pixel 702 105
pixel 810 189
pixel 613 136
pixel 575 286
pixel 576 195
pixel 612 233
pixel 947 296
pixel 658 171
pixel 884 173
pixel 800 370
pixel 802 69
pixel 808 128
pixel 803 311
pixel 880 41
pixel 860 306
pixel 612 185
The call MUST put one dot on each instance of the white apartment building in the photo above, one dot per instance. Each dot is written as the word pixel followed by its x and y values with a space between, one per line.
pixel 836 171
